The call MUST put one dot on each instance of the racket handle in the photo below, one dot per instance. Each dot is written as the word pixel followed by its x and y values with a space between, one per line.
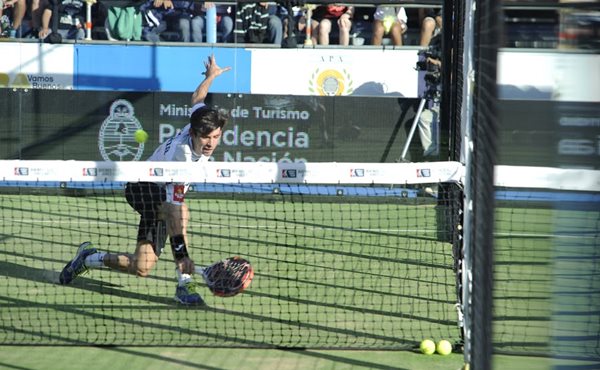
pixel 201 271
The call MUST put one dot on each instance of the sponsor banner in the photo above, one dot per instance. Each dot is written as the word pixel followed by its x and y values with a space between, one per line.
pixel 335 71
pixel 276 128
pixel 100 125
pixel 36 66
pixel 88 171
pixel 547 178
pixel 579 77
pixel 555 75
pixel 531 75
pixel 158 68
pixel 232 172
pixel 578 135
pixel 549 133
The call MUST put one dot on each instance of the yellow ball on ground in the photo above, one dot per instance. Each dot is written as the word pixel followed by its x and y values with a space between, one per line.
pixel 427 347
pixel 141 136
pixel 444 347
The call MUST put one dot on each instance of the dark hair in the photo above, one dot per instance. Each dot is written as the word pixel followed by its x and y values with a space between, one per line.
pixel 205 120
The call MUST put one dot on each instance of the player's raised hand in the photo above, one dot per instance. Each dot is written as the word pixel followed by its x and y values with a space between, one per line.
pixel 212 68
pixel 212 71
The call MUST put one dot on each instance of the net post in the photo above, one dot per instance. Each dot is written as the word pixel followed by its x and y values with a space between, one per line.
pixel 479 126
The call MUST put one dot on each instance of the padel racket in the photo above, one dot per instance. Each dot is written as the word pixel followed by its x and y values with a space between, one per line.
pixel 228 277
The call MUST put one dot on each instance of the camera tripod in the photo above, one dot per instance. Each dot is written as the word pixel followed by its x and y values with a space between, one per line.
pixel 430 96
pixel 413 128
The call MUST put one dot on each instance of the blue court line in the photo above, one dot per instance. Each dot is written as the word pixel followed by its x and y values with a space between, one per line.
pixel 548 196
pixel 302 189
pixel 284 189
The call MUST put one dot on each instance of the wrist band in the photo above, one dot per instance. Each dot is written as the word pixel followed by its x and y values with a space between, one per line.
pixel 178 247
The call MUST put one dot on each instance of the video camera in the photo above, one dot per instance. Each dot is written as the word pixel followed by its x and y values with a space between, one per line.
pixel 433 77
pixel 433 51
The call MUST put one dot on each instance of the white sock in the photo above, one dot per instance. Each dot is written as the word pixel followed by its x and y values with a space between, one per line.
pixel 183 278
pixel 95 260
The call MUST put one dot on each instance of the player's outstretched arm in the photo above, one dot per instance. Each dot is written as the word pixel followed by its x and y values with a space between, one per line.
pixel 212 71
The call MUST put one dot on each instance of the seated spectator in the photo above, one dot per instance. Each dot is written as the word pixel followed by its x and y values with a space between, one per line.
pixel 187 18
pixel 123 23
pixel 66 17
pixel 225 14
pixel 255 24
pixel 155 18
pixel 277 14
pixel 33 18
pixel 362 25
pixel 12 13
pixel 389 20
pixel 431 24
pixel 326 18
pixel 294 25
pixel 6 20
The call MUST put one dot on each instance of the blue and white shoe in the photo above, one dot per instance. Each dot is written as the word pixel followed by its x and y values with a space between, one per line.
pixel 77 266
pixel 188 295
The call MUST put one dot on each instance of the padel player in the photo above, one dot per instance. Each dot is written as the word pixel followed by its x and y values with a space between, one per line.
pixel 161 206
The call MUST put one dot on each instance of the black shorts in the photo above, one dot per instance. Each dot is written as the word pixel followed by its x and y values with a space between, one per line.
pixel 146 198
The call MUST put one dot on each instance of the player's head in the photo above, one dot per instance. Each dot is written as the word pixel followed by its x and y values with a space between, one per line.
pixel 206 129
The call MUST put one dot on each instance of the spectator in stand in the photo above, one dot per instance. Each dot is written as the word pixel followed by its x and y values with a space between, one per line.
pixel 431 24
pixel 194 21
pixel 33 18
pixel 277 14
pixel 187 19
pixel 225 23
pixel 155 18
pixel 255 24
pixel 12 13
pixel 294 24
pixel 123 23
pixel 326 18
pixel 65 17
pixel 389 20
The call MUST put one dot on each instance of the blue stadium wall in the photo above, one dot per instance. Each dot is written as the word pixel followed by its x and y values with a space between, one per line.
pixel 114 67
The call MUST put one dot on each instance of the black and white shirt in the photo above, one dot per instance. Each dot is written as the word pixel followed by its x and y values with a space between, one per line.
pixel 179 148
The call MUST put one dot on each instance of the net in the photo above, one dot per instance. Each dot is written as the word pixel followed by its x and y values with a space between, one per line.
pixel 479 39
pixel 346 255
pixel 546 271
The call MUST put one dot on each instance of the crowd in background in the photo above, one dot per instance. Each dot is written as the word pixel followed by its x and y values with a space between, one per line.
pixel 278 23
pixel 186 21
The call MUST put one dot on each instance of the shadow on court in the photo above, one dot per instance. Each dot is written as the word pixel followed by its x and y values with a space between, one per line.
pixel 165 304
